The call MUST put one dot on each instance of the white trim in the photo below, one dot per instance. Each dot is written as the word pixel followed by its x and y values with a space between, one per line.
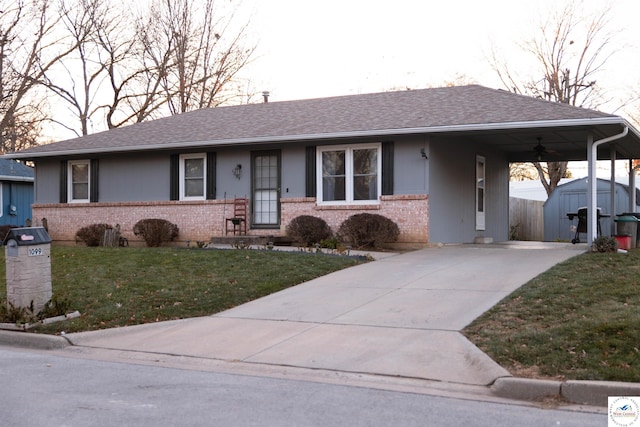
pixel 200 156
pixel 70 165
pixel 348 149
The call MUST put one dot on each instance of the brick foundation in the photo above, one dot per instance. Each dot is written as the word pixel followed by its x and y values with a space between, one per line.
pixel 202 220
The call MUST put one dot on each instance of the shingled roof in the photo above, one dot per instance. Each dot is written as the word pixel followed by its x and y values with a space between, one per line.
pixel 10 170
pixel 388 113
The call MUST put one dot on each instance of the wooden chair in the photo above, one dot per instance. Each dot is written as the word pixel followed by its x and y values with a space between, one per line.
pixel 238 222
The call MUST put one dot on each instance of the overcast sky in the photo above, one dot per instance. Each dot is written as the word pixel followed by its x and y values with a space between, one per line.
pixel 337 47
pixel 312 48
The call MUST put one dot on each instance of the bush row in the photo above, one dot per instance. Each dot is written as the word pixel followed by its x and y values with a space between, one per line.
pixel 153 231
pixel 360 230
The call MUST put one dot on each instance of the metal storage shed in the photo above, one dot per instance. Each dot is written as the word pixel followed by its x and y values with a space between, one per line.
pixel 573 195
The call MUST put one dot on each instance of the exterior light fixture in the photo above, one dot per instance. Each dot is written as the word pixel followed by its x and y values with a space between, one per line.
pixel 237 171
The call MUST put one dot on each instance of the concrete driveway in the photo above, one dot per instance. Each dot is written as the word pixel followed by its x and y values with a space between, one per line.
pixel 399 316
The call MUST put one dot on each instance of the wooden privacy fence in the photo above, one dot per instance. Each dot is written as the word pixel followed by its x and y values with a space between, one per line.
pixel 526 219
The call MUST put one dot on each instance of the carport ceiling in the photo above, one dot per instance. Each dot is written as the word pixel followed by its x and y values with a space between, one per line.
pixel 561 143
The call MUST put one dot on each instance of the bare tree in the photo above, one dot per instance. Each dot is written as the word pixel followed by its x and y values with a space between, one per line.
pixel 77 77
pixel 170 57
pixel 570 50
pixel 29 46
pixel 198 52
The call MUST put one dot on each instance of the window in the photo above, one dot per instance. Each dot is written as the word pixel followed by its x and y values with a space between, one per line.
pixel 480 193
pixel 79 181
pixel 349 174
pixel 193 171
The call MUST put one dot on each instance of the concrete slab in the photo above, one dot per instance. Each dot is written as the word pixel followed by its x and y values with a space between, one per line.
pixel 423 309
pixel 397 317
pixel 411 353
pixel 206 337
pixel 309 302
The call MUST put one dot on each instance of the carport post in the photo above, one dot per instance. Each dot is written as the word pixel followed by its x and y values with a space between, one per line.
pixel 592 156
pixel 632 186
pixel 612 190
pixel 592 194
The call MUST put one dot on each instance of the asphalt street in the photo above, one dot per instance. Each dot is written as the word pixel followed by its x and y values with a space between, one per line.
pixel 44 389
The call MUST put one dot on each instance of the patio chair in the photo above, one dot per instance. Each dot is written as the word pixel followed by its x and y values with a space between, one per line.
pixel 238 222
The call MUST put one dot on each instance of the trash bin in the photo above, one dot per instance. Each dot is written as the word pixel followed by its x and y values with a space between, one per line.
pixel 28 272
pixel 637 216
pixel 627 225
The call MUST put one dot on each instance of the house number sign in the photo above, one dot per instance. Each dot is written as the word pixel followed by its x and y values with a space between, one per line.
pixel 35 251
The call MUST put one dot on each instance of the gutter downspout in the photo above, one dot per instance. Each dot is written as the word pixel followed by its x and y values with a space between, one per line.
pixel 632 187
pixel 592 194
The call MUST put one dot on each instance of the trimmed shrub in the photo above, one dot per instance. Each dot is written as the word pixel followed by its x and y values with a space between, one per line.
pixel 308 230
pixel 369 230
pixel 92 235
pixel 155 231
pixel 605 244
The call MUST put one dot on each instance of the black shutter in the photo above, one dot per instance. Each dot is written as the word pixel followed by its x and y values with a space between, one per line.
pixel 310 172
pixel 174 177
pixel 387 168
pixel 211 176
pixel 63 181
pixel 93 191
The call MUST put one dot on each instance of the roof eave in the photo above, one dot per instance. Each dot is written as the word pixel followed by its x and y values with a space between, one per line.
pixel 17 178
pixel 478 127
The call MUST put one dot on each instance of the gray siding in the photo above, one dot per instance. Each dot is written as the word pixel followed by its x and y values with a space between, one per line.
pixel 47 183
pixel 227 185
pixel 452 192
pixel 293 172
pixel 134 178
pixel 410 168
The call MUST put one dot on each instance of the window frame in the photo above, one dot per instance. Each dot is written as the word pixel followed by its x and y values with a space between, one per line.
pixel 70 182
pixel 349 173
pixel 181 175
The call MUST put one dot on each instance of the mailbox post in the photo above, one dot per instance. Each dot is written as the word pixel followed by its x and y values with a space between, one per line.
pixel 28 262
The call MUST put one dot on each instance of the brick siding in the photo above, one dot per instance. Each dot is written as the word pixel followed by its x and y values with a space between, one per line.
pixel 202 220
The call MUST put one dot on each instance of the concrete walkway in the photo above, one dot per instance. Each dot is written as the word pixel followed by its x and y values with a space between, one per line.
pixel 399 316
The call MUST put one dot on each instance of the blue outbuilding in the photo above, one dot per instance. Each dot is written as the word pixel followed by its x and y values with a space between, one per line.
pixel 16 192
pixel 569 197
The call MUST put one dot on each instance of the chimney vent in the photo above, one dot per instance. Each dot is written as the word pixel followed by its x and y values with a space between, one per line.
pixel 265 96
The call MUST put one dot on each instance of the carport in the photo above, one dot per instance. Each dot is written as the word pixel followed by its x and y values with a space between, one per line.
pixel 582 139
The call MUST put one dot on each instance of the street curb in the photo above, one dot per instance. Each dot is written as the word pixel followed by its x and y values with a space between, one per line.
pixel 34 341
pixel 593 393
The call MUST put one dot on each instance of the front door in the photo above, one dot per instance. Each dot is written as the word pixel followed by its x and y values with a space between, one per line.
pixel 265 206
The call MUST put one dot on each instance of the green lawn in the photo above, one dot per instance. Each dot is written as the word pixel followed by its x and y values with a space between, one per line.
pixel 579 320
pixel 114 287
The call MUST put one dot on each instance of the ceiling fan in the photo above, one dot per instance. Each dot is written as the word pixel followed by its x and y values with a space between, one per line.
pixel 540 149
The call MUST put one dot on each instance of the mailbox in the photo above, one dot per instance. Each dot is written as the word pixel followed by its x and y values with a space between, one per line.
pixel 28 262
